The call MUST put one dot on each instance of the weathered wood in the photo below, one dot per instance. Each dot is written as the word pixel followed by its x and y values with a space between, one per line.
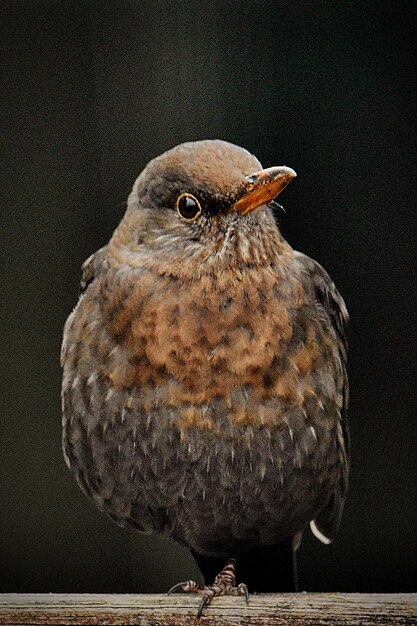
pixel 325 609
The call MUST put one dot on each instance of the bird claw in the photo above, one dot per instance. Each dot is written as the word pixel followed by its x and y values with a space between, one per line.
pixel 205 600
pixel 187 586
pixel 224 585
pixel 243 591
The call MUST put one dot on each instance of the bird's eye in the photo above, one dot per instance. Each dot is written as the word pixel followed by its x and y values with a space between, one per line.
pixel 188 207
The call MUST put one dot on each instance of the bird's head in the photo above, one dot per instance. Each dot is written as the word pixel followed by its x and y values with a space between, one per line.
pixel 205 203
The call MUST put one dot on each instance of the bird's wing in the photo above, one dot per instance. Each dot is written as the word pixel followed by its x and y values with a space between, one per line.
pixel 94 266
pixel 331 304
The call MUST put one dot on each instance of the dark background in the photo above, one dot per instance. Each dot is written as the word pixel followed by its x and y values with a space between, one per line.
pixel 91 91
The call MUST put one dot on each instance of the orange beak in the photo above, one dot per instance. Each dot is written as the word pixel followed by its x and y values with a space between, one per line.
pixel 262 187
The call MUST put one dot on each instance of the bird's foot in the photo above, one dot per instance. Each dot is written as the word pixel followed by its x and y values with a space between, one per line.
pixel 224 585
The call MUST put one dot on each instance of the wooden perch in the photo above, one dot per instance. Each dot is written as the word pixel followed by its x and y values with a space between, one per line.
pixel 160 610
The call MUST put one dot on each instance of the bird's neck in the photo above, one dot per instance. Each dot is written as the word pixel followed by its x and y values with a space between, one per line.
pixel 249 244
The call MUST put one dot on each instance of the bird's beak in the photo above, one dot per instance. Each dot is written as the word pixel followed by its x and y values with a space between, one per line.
pixel 262 187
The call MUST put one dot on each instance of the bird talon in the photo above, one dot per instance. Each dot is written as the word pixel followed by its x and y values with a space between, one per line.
pixel 243 591
pixel 205 600
pixel 174 588
pixel 186 585
pixel 224 585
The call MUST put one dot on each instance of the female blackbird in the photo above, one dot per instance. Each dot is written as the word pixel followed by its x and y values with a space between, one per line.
pixel 204 388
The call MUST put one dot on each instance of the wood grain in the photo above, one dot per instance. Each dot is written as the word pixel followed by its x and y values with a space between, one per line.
pixel 160 610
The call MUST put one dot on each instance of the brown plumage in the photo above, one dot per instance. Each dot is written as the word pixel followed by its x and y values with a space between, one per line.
pixel 205 389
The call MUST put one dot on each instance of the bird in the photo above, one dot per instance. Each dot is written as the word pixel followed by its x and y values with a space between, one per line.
pixel 205 386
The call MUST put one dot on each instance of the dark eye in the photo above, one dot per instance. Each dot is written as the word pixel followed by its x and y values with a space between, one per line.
pixel 188 207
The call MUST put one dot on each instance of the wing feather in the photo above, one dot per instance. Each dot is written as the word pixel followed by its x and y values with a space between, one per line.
pixel 331 303
pixel 95 265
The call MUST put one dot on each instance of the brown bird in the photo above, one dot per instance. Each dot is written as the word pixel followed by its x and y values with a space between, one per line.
pixel 205 388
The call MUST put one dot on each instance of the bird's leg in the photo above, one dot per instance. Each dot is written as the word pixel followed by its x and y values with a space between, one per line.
pixel 224 585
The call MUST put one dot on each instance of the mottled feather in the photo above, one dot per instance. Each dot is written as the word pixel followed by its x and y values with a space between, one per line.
pixel 204 388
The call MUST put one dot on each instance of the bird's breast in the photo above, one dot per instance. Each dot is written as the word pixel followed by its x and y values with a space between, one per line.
pixel 231 340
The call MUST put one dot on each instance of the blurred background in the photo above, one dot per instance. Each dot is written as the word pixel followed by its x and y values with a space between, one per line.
pixel 90 92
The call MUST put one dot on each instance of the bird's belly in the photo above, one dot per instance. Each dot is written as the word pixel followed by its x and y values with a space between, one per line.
pixel 215 485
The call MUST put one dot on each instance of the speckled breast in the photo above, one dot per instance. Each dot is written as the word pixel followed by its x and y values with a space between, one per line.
pixel 205 411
